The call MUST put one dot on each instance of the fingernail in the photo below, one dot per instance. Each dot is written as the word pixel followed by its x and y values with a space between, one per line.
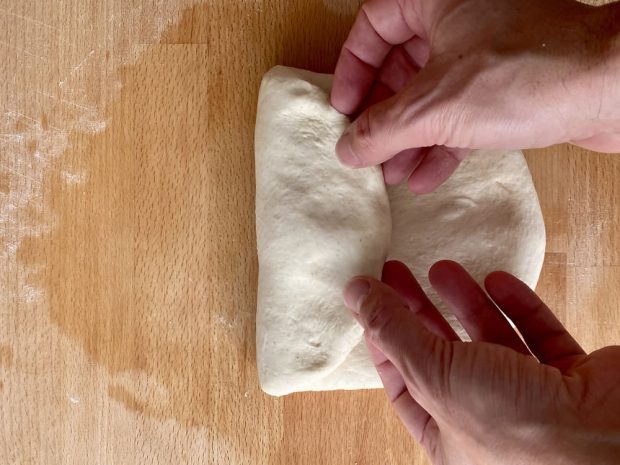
pixel 355 292
pixel 345 152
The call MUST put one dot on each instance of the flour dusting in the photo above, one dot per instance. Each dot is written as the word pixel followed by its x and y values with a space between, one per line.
pixel 58 97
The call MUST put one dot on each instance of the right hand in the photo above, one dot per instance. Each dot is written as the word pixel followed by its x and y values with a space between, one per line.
pixel 434 79
pixel 496 400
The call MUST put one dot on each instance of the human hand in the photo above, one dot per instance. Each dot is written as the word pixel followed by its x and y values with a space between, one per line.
pixel 489 401
pixel 434 79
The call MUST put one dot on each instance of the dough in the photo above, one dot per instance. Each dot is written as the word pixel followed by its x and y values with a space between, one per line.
pixel 319 224
pixel 486 217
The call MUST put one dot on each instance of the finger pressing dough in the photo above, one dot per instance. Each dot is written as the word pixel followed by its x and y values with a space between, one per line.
pixel 318 224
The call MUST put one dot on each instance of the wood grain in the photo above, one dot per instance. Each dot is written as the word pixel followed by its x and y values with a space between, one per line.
pixel 128 291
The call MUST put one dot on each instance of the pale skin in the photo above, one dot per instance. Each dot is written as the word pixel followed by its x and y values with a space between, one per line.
pixel 429 80
pixel 426 82
pixel 496 400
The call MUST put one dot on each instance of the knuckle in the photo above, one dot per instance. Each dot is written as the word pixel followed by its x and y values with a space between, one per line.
pixel 363 131
pixel 379 319
pixel 440 123
pixel 443 123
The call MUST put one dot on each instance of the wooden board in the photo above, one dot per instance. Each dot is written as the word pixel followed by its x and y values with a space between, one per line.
pixel 127 243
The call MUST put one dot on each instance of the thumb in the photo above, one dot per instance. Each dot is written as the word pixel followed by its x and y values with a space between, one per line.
pixel 422 358
pixel 390 126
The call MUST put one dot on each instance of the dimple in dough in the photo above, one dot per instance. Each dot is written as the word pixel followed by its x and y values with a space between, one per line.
pixel 318 224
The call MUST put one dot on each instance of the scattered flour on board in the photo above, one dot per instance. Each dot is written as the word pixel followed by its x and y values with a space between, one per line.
pixel 42 102
pixel 61 96
pixel 73 178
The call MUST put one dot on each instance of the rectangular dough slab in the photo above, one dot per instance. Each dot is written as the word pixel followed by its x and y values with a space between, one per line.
pixel 318 224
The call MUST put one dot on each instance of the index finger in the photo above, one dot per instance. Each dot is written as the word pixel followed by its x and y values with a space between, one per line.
pixel 379 25
pixel 396 275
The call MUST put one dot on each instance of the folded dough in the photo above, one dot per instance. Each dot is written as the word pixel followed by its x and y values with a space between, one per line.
pixel 318 224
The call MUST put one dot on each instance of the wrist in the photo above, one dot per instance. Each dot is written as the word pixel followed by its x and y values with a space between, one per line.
pixel 598 81
pixel 582 446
